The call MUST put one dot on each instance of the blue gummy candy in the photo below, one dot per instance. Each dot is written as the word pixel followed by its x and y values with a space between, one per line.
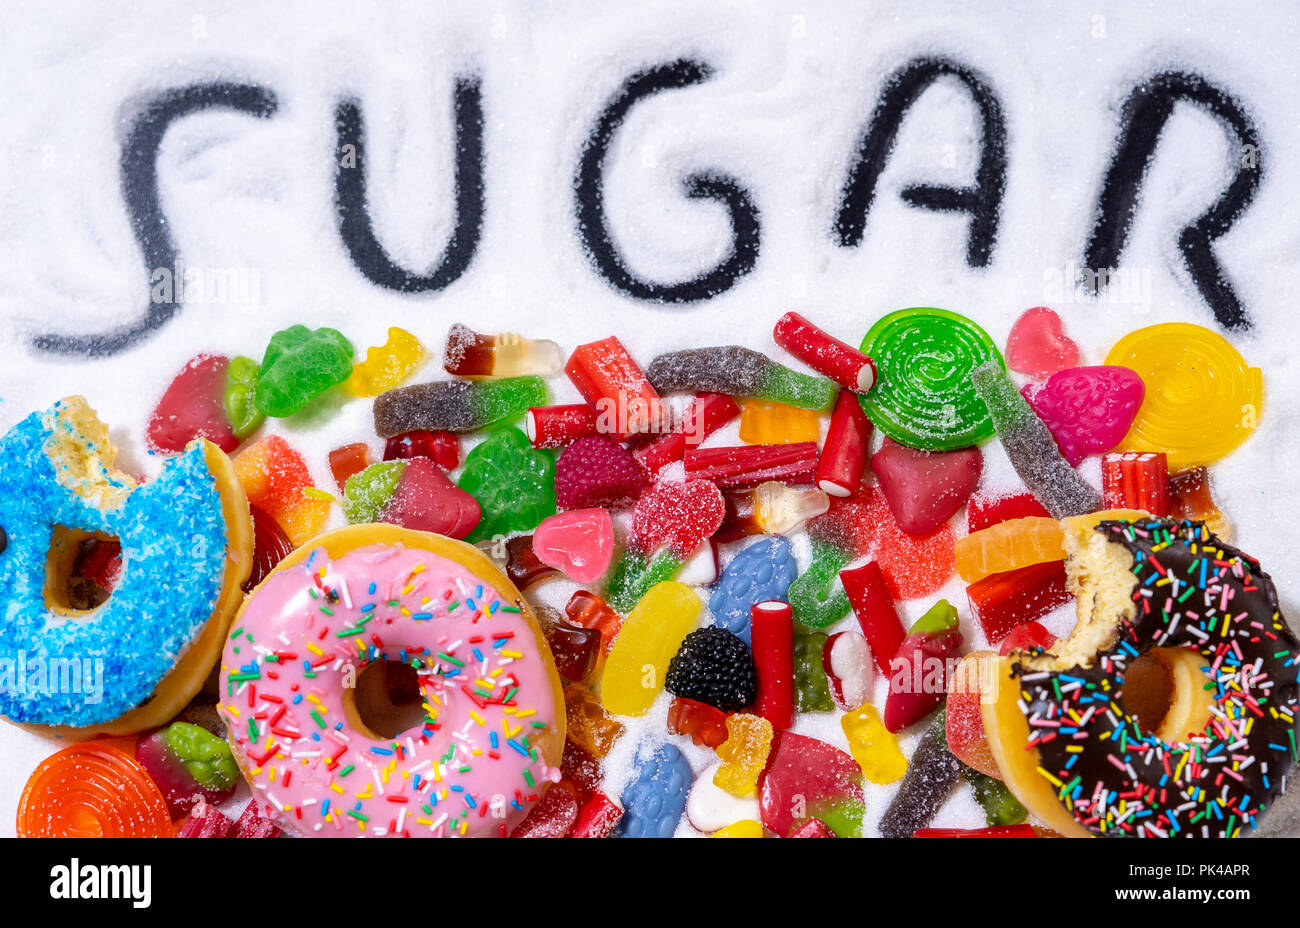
pixel 760 572
pixel 653 802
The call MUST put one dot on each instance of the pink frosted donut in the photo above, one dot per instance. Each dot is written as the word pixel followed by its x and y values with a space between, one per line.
pixel 301 701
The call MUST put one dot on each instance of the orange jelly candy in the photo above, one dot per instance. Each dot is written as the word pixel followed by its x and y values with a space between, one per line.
pixel 274 477
pixel 92 790
pixel 765 423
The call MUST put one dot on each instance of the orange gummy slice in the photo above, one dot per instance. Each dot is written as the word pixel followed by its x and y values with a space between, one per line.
pixel 274 476
pixel 92 790
pixel 1009 545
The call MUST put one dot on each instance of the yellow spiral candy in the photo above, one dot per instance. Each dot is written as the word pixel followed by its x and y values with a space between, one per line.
pixel 1202 400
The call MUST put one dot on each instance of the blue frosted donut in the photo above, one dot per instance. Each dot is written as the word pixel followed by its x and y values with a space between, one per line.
pixel 183 548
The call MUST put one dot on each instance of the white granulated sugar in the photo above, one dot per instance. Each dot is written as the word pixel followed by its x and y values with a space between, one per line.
pixel 792 90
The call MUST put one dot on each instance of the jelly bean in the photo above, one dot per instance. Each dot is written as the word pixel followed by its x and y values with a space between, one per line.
pixel 985 510
pixel 771 625
pixel 745 466
pixel 523 567
pixel 1202 400
pixel 299 365
pixel 1009 545
pixel 590 611
pixel 924 398
pixel 1087 409
pixel 763 570
pixel 873 746
pixel 579 543
pixel 1190 498
pixel 1000 806
pixel 707 413
pixel 918 673
pixel 1038 345
pixel 638 661
pixel 1030 446
pixel 873 606
pixel 388 365
pixel 443 448
pixel 598 817
pixel 191 407
pixel 557 426
pixel 590 727
pixel 513 483
pixel 844 455
pixel 963 717
pixel 1136 481
pixel 552 816
pixel 426 500
pixel 929 781
pixel 597 471
pixel 710 807
pixel 615 387
pixel 240 396
pixel 347 460
pixel 810 779
pixel 704 724
pixel 812 692
pixel 925 489
pixel 189 764
pixel 654 800
pixel 470 354
pixel 456 405
pixel 274 477
pixel 745 828
pixel 827 355
pixel 767 423
pixel 1003 601
pixel 743 754
pixel 846 661
pixel 738 371
pixel 92 790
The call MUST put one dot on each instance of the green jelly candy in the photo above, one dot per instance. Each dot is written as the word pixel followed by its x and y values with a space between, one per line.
pixel 239 398
pixel 365 494
pixel 299 365
pixel 780 384
pixel 923 396
pixel 633 576
pixel 812 691
pixel 815 604
pixel 206 757
pixel 513 483
pixel 1000 807
pixel 507 399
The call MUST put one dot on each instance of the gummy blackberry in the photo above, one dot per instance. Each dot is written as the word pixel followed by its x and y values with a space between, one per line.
pixel 714 666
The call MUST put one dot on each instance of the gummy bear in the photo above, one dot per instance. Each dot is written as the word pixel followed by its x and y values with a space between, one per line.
pixel 576 650
pixel 874 747
pixel 654 800
pixel 766 423
pixel 274 476
pixel 299 365
pixel 1087 409
pixel 240 396
pixel 653 633
pixel 924 489
pixel 388 365
pixel 929 781
pixel 597 471
pixel 1009 545
pixel 191 407
pixel 587 609
pixel 806 779
pixel 744 753
pixel 589 725
pixel 763 570
pixel 812 694
pixel 513 483
pixel 705 724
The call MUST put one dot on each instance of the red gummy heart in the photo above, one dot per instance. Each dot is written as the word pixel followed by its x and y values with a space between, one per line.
pixel 1038 346
pixel 191 407
pixel 427 500
pixel 924 489
pixel 678 516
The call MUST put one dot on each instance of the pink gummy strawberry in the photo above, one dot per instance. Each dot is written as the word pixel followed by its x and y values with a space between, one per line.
pixel 597 471
pixel 923 488
pixel 427 500
pixel 1038 345
pixel 676 515
pixel 1087 409
pixel 191 407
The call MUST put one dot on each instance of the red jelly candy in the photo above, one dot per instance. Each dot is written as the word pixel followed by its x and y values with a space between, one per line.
pixel 813 828
pixel 913 565
pixel 678 516
pixel 522 564
pixel 590 611
pixel 992 831
pixel 924 489
pixel 805 779
pixel 348 460
pixel 443 448
pixel 597 471
pixel 983 511
pixel 552 816
pixel 270 546
pixel 191 407
pixel 1003 601
pixel 575 649
pixel 427 500
pixel 706 725
pixel 100 562
pixel 1027 636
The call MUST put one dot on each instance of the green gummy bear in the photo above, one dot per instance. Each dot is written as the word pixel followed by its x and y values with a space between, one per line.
pixel 299 365
pixel 238 400
pixel 811 690
pixel 366 493
pixel 815 604
pixel 513 483
pixel 206 757
pixel 1000 807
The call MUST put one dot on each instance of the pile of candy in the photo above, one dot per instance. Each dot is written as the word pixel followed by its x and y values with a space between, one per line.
pixel 623 495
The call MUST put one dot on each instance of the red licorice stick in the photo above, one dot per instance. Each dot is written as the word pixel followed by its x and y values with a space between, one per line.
pixel 771 628
pixel 874 607
pixel 597 817
pixel 844 456
pixel 615 387
pixel 557 426
pixel 1136 481
pixel 824 353
pixel 743 466
pixel 707 413
pixel 993 831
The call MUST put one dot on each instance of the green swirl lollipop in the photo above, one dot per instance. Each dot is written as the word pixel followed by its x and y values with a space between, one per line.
pixel 923 397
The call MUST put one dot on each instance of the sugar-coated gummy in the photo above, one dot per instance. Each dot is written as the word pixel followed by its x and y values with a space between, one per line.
pixel 930 779
pixel 299 365
pixel 513 483
pixel 455 405
pixel 817 602
pixel 763 570
pixel 740 372
pixel 654 800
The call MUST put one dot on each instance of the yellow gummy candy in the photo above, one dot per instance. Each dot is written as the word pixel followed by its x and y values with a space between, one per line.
pixel 764 423
pixel 652 634
pixel 743 754
pixel 388 365
pixel 1202 400
pixel 745 828
pixel 873 745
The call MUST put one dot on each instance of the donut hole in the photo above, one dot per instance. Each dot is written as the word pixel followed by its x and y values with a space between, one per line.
pixel 386 701
pixel 1164 691
pixel 80 570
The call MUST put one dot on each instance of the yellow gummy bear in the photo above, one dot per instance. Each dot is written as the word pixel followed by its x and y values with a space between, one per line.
pixel 638 661
pixel 743 754
pixel 388 365
pixel 764 423
pixel 745 828
pixel 873 745
pixel 1202 400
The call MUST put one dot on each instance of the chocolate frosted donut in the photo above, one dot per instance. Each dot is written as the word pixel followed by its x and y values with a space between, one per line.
pixel 1168 616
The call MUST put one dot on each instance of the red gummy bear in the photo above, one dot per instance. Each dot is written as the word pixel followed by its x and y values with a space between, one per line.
pixel 597 471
